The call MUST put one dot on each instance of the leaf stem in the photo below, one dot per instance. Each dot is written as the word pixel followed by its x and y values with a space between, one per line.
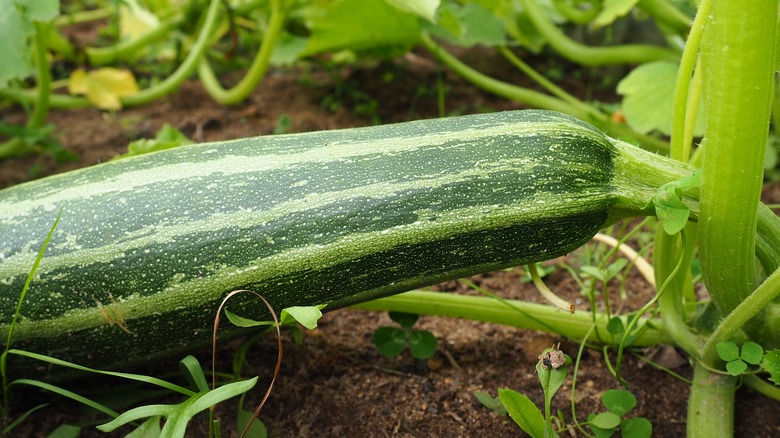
pixel 256 71
pixel 592 56
pixel 513 313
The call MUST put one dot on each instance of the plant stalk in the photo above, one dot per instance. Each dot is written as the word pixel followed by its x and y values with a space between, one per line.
pixel 521 314
pixel 738 61
pixel 257 70
pixel 711 404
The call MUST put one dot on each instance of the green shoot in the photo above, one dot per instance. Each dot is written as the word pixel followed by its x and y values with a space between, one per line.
pixel 391 341
pixel 490 402
pixel 618 403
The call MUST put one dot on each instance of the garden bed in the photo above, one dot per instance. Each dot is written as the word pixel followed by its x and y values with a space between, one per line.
pixel 336 383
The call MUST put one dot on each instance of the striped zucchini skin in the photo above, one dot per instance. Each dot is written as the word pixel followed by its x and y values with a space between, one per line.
pixel 147 247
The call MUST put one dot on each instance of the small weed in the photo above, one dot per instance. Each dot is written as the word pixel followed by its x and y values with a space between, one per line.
pixel 619 402
pixel 391 341
pixel 490 402
pixel 552 369
pixel 737 360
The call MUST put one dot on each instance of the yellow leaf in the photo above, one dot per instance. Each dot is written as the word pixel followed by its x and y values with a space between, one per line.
pixel 135 21
pixel 103 87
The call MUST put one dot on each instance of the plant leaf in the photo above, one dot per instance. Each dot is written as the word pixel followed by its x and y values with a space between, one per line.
pixel 193 372
pixel 65 431
pixel 389 341
pixel 422 344
pixel 148 429
pixel 360 25
pixel 307 316
pixel 669 207
pixel 771 364
pixel 605 420
pixel 178 416
pixel 240 321
pixel 469 24
pixel 618 401
pixel 736 367
pixel 490 402
pixel 523 411
pixel 752 353
pixel 611 10
pixel 103 87
pixel 16 29
pixel 637 427
pixel 648 96
pixel 727 350
pixel 405 320
pixel 422 8
pixel 256 430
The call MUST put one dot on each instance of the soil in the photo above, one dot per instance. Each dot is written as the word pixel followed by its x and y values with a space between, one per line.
pixel 335 383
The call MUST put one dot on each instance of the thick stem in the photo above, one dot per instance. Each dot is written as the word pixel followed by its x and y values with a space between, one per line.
pixel 711 404
pixel 738 60
pixel 513 313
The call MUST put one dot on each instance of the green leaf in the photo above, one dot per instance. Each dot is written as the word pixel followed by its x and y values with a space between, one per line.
pixel 422 344
pixel 523 411
pixel 422 8
pixel 615 267
pixel 736 367
pixel 771 364
pixel 256 430
pixel 490 402
pixel 615 326
pixel 648 95
pixel 669 207
pixel 360 25
pixel 288 49
pixel 405 320
pixel 307 316
pixel 611 10
pixel 167 137
pixel 178 416
pixel 65 431
pixel 193 372
pixel 240 321
pixel 16 30
pixel 637 427
pixel 606 420
pixel 618 401
pixel 469 24
pixel 389 341
pixel 752 353
pixel 593 271
pixel 148 429
pixel 727 350
pixel 597 431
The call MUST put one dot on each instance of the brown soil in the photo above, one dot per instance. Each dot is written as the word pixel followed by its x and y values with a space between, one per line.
pixel 335 383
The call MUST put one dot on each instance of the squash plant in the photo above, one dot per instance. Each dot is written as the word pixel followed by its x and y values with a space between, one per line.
pixel 146 246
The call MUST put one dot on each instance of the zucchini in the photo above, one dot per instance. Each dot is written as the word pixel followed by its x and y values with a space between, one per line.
pixel 148 246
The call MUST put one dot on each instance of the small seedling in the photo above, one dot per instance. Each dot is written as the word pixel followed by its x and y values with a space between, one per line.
pixel 619 402
pixel 490 402
pixel 737 360
pixel 552 369
pixel 391 341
